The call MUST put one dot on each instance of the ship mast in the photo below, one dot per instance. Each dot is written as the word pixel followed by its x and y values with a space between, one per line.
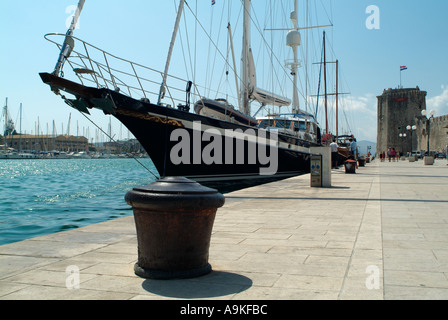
pixel 325 86
pixel 170 51
pixel 337 98
pixel 337 94
pixel 5 111
pixel 293 40
pixel 69 44
pixel 245 84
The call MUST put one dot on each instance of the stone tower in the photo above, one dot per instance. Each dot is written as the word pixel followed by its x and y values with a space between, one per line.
pixel 398 109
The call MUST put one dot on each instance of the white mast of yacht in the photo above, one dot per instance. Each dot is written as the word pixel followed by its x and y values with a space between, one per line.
pixel 170 51
pixel 249 90
pixel 293 40
pixel 245 84
pixel 69 44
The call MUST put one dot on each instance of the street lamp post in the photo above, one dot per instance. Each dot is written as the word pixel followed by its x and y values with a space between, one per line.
pixel 411 129
pixel 428 125
pixel 428 159
pixel 402 135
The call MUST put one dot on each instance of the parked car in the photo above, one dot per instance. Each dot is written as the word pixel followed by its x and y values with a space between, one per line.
pixel 416 153
pixel 440 155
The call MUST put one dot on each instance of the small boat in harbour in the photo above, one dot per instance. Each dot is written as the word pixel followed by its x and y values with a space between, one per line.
pixel 300 125
pixel 344 148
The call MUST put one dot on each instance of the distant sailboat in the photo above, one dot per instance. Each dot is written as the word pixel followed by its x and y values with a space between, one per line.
pixel 9 134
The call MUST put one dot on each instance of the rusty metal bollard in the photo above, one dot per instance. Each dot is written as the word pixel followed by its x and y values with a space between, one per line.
pixel 174 219
pixel 350 166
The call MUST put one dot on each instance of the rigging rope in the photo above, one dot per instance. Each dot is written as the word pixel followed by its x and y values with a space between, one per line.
pixel 208 35
pixel 112 139
pixel 318 87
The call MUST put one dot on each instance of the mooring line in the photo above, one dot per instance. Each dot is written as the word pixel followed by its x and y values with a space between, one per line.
pixel 112 139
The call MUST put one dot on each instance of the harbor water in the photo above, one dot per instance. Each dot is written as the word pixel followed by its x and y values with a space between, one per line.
pixel 39 197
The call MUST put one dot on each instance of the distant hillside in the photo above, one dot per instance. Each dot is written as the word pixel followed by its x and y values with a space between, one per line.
pixel 362 145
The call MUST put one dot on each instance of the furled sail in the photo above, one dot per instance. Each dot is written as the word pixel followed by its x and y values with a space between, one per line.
pixel 262 96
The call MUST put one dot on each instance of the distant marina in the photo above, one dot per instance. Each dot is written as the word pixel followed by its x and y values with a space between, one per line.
pixel 12 154
pixel 14 144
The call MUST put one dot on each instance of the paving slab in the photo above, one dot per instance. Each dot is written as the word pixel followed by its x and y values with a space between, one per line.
pixel 381 233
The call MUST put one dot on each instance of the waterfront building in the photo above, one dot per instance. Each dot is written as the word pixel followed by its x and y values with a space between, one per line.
pixel 401 125
pixel 46 143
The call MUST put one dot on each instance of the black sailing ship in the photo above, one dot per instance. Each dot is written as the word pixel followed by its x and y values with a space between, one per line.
pixel 210 154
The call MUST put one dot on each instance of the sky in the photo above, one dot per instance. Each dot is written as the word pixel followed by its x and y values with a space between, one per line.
pixel 369 45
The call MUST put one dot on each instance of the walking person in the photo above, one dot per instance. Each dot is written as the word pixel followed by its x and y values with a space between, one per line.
pixel 353 148
pixel 393 154
pixel 334 154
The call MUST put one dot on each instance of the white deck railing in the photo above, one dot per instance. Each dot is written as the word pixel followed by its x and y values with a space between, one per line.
pixel 96 67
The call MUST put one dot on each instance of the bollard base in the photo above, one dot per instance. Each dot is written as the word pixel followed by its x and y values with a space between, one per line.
pixel 350 166
pixel 174 219
pixel 428 161
pixel 169 275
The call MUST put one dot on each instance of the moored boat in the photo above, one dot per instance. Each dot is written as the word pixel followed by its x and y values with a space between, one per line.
pixel 216 143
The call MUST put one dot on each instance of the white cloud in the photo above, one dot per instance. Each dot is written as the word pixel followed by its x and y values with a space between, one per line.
pixel 357 116
pixel 366 103
pixel 360 113
pixel 439 103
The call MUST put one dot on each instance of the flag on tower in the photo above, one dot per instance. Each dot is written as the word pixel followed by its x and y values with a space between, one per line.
pixel 213 2
pixel 402 68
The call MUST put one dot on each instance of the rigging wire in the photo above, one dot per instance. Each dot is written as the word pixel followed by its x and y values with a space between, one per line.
pixel 191 69
pixel 195 44
pixel 257 27
pixel 209 53
pixel 183 52
pixel 217 40
pixel 282 67
pixel 318 88
pixel 273 55
pixel 208 35
pixel 112 139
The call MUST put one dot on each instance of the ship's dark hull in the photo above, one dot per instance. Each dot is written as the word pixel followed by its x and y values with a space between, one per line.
pixel 154 126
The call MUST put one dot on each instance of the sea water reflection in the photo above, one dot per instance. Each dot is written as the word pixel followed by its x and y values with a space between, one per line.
pixel 39 197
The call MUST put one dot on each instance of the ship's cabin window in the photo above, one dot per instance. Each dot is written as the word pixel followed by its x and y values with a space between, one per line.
pixel 275 123
pixel 282 124
pixel 286 124
pixel 266 123
pixel 300 125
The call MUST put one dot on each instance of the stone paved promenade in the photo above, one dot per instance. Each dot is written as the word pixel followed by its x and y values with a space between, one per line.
pixel 381 233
